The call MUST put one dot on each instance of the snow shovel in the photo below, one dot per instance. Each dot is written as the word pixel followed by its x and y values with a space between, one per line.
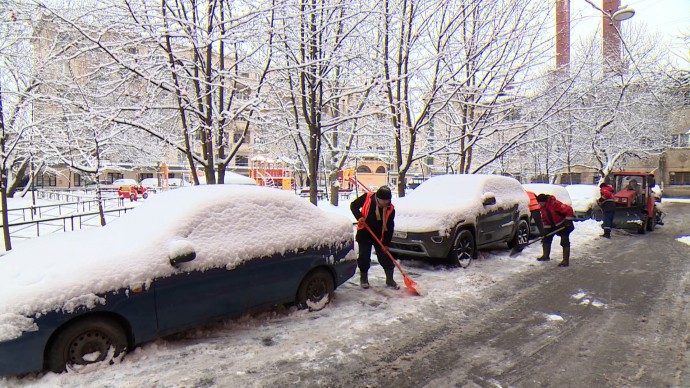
pixel 518 248
pixel 409 283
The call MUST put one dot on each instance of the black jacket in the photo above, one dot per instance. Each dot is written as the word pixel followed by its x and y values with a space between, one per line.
pixel 375 225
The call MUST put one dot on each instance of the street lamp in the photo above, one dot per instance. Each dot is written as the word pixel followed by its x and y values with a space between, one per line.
pixel 623 13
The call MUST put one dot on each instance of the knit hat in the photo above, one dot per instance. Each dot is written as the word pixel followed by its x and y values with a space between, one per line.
pixel 384 193
pixel 542 197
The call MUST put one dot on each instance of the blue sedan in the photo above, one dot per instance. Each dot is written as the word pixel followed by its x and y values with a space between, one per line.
pixel 188 257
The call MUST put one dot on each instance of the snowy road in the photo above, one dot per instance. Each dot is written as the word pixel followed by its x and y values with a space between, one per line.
pixel 617 317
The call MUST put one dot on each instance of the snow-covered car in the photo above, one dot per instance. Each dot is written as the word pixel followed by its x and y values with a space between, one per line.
pixel 124 182
pixel 231 178
pixel 452 216
pixel 150 184
pixel 186 257
pixel 584 201
pixel 557 191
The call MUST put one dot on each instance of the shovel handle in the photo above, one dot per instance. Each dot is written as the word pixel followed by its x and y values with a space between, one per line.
pixel 409 283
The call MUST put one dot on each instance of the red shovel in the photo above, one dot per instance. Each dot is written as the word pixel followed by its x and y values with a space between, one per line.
pixel 409 283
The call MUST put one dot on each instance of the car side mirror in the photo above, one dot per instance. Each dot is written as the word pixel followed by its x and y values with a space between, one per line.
pixel 488 199
pixel 181 251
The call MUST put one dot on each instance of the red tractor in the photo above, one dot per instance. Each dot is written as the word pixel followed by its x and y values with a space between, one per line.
pixel 635 202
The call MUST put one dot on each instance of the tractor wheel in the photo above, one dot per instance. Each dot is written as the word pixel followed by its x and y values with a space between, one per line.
pixel 146 195
pixel 651 221
pixel 132 197
pixel 643 227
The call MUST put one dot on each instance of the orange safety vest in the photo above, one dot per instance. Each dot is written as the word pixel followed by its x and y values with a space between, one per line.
pixel 533 204
pixel 365 212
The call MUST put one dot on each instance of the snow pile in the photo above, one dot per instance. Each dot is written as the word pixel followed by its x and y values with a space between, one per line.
pixel 684 239
pixel 442 202
pixel 225 224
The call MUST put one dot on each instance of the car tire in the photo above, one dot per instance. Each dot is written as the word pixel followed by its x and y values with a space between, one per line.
pixel 464 249
pixel 145 195
pixel 94 337
pixel 132 197
pixel 521 237
pixel 316 286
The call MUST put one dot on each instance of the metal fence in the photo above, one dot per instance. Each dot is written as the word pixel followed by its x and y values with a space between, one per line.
pixel 78 211
pixel 36 227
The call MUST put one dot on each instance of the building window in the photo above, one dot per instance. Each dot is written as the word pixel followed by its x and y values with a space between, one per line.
pixel 679 178
pixel 380 170
pixel 49 180
pixel 145 175
pixel 680 140
pixel 241 160
pixel 572 178
pixel 541 178
pixel 113 176
pixel 238 135
pixel 364 169
pixel 77 179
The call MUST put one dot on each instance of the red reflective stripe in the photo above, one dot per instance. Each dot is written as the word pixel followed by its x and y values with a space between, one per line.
pixel 365 208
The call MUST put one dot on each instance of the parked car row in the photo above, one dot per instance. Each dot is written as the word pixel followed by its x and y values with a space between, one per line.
pixel 199 254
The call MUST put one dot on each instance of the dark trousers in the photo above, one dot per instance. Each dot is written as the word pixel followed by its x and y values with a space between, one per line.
pixel 608 219
pixel 536 217
pixel 563 234
pixel 364 259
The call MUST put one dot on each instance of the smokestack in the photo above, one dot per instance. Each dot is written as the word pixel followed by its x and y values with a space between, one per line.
pixel 563 35
pixel 611 40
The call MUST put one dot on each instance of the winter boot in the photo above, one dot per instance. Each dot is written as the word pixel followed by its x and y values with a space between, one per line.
pixel 546 253
pixel 390 283
pixel 607 233
pixel 566 257
pixel 363 280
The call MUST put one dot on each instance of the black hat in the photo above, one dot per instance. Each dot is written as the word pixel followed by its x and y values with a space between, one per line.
pixel 384 193
pixel 542 197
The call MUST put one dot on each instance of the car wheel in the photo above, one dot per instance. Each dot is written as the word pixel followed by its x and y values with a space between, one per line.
pixel 521 235
pixel 316 290
pixel 145 195
pixel 87 341
pixel 132 197
pixel 463 250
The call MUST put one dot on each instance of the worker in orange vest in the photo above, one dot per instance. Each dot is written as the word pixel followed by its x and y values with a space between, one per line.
pixel 380 221
pixel 535 212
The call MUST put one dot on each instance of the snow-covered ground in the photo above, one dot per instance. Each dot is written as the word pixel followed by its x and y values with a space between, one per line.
pixel 243 351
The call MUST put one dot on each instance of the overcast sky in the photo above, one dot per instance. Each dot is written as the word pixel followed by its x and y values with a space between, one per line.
pixel 669 18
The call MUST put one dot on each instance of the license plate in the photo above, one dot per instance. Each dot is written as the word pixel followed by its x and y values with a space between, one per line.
pixel 399 234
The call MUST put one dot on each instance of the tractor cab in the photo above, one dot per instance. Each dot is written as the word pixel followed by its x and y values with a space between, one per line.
pixel 632 189
pixel 635 202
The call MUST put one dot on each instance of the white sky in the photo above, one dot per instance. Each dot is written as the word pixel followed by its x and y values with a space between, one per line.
pixel 241 352
pixel 669 18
